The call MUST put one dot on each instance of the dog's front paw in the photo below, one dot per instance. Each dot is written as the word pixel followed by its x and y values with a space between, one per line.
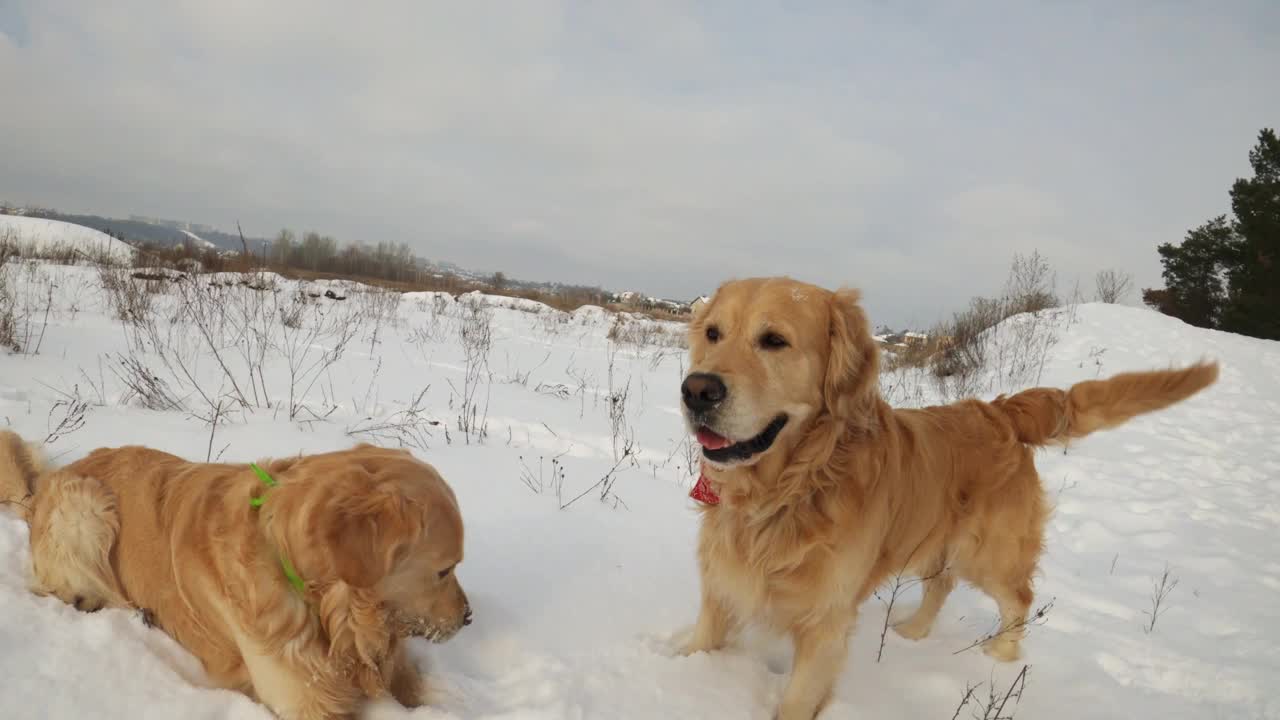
pixel 695 642
pixel 912 630
pixel 687 642
pixel 785 713
pixel 681 643
pixel 674 644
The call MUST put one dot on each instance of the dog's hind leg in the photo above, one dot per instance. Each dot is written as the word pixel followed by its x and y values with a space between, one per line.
pixel 20 465
pixel 1014 599
pixel 74 525
pixel 938 584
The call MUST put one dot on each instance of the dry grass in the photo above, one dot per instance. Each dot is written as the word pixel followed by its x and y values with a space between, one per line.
pixel 25 305
pixel 130 295
pixel 58 253
pixel 913 355
pixel 8 321
pixel 645 333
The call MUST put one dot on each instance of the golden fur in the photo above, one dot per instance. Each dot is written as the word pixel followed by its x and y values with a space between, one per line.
pixel 375 535
pixel 852 492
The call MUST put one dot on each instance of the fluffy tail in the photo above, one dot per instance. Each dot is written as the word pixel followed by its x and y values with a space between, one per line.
pixel 73 528
pixel 1046 416
pixel 20 464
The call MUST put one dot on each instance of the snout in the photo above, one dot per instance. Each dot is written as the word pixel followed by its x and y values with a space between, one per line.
pixel 442 616
pixel 702 392
pixel 447 629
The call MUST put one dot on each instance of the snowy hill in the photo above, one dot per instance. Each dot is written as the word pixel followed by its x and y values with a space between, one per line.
pixel 580 555
pixel 47 235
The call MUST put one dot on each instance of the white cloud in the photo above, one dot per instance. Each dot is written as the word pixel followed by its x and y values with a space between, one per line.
pixel 1003 208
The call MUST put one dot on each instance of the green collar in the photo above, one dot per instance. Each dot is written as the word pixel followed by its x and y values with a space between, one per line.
pixel 289 572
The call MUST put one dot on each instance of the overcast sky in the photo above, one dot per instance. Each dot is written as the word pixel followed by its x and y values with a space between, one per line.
pixel 908 150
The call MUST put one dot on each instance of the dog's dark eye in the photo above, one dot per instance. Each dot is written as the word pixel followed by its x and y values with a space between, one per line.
pixel 444 573
pixel 713 333
pixel 772 341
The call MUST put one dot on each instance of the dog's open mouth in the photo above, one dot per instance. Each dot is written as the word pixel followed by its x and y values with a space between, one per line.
pixel 718 449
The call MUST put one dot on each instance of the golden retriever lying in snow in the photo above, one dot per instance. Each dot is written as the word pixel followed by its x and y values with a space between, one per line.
pixel 816 492
pixel 294 586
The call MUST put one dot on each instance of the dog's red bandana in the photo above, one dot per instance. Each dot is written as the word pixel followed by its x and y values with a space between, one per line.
pixel 702 491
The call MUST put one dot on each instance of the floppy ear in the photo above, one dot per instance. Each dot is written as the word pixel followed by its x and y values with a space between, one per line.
pixel 356 624
pixel 699 314
pixel 853 364
pixel 365 531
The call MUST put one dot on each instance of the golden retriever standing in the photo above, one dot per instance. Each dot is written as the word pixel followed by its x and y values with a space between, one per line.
pixel 816 491
pixel 294 585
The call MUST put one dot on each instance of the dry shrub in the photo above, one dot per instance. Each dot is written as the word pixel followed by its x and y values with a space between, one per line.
pixel 27 299
pixel 475 334
pixel 59 253
pixel 979 339
pixel 130 295
pixel 1113 286
pixel 8 323
pixel 645 333
pixel 184 258
pixel 291 315
pixel 912 355
pixel 146 387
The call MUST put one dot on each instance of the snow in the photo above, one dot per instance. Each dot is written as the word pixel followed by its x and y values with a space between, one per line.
pixel 29 232
pixel 502 301
pixel 576 609
pixel 199 240
pixel 591 315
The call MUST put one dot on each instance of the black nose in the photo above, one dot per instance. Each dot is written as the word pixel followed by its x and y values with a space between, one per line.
pixel 466 617
pixel 702 391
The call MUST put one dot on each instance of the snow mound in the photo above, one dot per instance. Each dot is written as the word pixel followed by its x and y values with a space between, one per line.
pixel 46 235
pixel 505 301
pixel 591 315
pixel 429 297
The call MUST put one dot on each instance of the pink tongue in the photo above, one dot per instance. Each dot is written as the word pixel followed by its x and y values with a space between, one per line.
pixel 710 440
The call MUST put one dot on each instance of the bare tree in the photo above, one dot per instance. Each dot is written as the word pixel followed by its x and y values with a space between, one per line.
pixel 1113 286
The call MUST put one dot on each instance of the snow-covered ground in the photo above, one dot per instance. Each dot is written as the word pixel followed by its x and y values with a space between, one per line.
pixel 40 233
pixel 576 602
